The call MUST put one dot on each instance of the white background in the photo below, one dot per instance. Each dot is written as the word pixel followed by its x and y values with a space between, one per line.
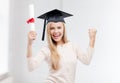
pixel 104 15
pixel 4 32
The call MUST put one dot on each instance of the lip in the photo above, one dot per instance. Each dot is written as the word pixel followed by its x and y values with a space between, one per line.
pixel 56 36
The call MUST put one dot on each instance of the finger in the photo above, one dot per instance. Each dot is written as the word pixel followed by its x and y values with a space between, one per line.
pixel 92 30
pixel 32 32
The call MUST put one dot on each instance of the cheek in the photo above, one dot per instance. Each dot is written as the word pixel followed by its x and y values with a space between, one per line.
pixel 62 31
pixel 51 32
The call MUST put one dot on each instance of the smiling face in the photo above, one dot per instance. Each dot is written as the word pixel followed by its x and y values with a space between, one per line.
pixel 57 32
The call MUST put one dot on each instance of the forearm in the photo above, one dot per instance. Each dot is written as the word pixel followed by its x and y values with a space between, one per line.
pixel 29 50
pixel 92 43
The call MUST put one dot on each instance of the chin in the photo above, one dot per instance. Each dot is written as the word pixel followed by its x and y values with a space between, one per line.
pixel 57 40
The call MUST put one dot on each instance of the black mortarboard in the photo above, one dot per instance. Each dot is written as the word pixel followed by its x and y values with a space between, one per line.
pixel 53 16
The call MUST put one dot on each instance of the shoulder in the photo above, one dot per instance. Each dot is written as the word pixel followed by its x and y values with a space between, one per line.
pixel 45 50
pixel 45 47
pixel 72 44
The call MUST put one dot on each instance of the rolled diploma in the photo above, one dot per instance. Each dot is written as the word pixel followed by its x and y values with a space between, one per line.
pixel 31 13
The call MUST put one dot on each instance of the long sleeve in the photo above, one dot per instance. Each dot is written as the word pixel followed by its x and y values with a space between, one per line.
pixel 35 61
pixel 84 57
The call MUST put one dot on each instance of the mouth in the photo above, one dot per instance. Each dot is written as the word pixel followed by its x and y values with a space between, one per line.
pixel 56 36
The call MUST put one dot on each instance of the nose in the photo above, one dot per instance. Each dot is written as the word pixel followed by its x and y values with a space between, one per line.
pixel 56 30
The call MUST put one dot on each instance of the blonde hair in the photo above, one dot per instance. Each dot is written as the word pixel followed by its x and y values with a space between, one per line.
pixel 55 58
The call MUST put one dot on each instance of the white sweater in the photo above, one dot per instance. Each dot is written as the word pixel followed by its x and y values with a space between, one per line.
pixel 69 54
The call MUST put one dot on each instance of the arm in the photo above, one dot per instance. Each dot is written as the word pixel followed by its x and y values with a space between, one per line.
pixel 86 57
pixel 32 62
pixel 31 38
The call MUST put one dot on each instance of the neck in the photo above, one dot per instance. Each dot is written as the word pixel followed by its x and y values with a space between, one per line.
pixel 60 42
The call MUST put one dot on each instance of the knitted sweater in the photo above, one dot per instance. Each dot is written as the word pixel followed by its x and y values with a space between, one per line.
pixel 69 54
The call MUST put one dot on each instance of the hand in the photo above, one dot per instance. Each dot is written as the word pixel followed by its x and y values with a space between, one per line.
pixel 31 36
pixel 92 33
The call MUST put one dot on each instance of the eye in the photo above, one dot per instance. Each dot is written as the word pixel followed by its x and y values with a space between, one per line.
pixel 59 27
pixel 52 28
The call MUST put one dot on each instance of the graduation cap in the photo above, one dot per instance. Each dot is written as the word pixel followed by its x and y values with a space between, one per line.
pixel 53 16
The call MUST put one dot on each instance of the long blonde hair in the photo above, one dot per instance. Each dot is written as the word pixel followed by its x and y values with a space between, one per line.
pixel 55 58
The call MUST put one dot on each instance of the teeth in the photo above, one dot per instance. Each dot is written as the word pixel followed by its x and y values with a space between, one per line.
pixel 56 35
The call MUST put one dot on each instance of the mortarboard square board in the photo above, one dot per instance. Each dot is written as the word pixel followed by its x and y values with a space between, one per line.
pixel 53 16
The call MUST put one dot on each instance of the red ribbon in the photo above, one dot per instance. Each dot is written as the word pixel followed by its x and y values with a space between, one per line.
pixel 31 20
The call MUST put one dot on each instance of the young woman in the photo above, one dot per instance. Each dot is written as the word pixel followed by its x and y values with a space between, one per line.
pixel 60 54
